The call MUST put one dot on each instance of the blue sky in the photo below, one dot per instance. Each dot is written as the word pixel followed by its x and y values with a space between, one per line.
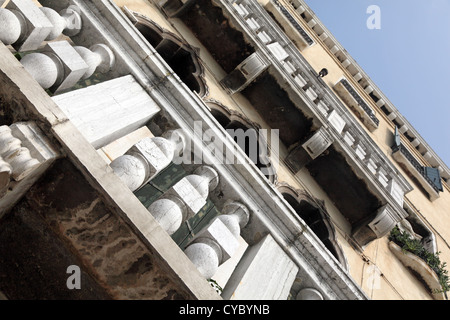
pixel 408 58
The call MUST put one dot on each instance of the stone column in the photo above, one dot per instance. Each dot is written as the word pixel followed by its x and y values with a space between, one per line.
pixel 147 158
pixel 217 242
pixel 184 199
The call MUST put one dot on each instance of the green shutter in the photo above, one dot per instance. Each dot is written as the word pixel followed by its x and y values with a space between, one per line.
pixel 434 176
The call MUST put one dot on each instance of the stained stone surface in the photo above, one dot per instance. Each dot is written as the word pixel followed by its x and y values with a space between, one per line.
pixel 63 221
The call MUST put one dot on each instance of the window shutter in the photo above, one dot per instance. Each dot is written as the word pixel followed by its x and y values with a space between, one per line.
pixel 434 175
pixel 397 140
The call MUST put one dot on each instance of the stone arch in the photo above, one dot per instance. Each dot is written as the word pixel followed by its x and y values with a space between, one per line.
pixel 180 56
pixel 232 120
pixel 312 211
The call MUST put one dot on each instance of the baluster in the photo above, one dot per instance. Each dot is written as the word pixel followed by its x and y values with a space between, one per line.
pixel 60 66
pixel 28 29
pixel 18 157
pixel 217 242
pixel 99 58
pixel 10 27
pixel 147 158
pixel 184 199
pixel 67 22
pixel 26 26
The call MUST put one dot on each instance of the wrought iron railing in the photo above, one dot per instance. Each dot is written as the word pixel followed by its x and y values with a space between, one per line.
pixel 294 23
pixel 360 101
pixel 413 161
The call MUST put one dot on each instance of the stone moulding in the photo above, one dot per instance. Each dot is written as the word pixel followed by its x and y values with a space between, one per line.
pixel 421 268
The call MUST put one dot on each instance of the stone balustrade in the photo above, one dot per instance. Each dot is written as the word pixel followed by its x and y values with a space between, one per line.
pixel 184 199
pixel 59 66
pixel 26 26
pixel 264 271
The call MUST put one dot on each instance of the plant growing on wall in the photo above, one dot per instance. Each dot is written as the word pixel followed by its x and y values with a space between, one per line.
pixel 413 245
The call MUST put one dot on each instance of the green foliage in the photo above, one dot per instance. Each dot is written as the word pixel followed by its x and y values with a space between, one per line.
pixel 410 244
pixel 215 285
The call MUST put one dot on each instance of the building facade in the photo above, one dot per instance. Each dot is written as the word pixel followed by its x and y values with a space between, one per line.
pixel 206 149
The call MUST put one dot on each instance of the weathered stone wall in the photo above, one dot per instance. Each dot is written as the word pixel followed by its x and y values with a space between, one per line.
pixel 62 221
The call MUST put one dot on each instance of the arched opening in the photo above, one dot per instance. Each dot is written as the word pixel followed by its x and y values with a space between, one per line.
pixel 179 56
pixel 247 136
pixel 317 219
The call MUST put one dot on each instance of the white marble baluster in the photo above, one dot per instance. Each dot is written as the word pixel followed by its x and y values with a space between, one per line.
pixel 10 27
pixel 31 24
pixel 99 58
pixel 67 22
pixel 42 68
pixel 60 66
pixel 25 25
pixel 186 198
pixel 15 155
pixel 217 242
pixel 147 158
pixel 131 169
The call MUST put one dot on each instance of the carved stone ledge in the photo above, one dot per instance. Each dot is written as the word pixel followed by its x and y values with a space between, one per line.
pixel 420 268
